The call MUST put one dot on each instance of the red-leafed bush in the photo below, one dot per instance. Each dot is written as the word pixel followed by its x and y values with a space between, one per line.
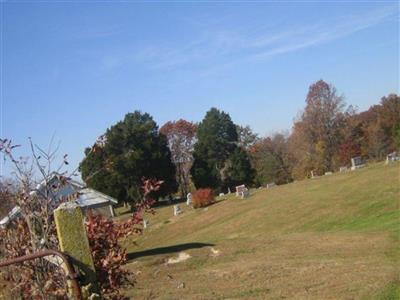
pixel 203 197
pixel 33 230
pixel 108 256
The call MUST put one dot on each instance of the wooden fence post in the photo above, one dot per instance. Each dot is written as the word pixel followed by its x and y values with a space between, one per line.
pixel 73 241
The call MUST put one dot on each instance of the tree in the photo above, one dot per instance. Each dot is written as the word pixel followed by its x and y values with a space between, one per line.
pixel 129 151
pixel 352 138
pixel 181 136
pixel 317 133
pixel 239 170
pixel 217 141
pixel 246 136
pixel 389 121
pixel 271 159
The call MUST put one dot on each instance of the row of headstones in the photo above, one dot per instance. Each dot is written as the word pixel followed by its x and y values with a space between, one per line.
pixel 357 163
pixel 241 191
pixel 177 210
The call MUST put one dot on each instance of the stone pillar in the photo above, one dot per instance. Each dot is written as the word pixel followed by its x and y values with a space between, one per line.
pixel 73 241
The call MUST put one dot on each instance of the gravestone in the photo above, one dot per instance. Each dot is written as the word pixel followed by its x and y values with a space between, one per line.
pixel 244 193
pixel 270 185
pixel 356 163
pixel 312 174
pixel 177 210
pixel 145 224
pixel 73 240
pixel 328 173
pixel 342 169
pixel 392 157
pixel 239 189
pixel 189 199
pixel 229 190
pixel 221 194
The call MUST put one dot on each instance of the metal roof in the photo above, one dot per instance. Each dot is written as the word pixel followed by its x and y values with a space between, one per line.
pixel 88 197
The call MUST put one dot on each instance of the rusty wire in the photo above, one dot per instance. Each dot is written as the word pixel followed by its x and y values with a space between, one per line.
pixel 71 275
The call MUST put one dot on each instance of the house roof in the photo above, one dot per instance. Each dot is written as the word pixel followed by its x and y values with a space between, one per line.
pixel 88 197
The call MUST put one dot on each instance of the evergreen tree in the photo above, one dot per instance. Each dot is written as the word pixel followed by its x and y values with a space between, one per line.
pixel 239 169
pixel 217 142
pixel 130 151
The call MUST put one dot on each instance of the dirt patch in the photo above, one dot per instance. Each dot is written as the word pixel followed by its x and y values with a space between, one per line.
pixel 215 252
pixel 181 257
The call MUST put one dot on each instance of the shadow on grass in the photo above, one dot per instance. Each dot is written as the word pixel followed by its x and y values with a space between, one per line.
pixel 167 250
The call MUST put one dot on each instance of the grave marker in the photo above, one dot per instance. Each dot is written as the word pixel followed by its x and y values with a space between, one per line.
pixel 145 224
pixel 177 210
pixel 244 193
pixel 239 189
pixel 73 240
pixel 356 163
pixel 189 199
pixel 392 157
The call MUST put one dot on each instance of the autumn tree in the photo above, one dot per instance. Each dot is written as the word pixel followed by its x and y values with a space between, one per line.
pixel 181 136
pixel 376 130
pixel 271 159
pixel 352 138
pixel 389 121
pixel 129 151
pixel 317 135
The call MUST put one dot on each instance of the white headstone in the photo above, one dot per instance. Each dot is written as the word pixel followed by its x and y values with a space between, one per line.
pixel 342 169
pixel 392 157
pixel 177 210
pixel 244 193
pixel 221 194
pixel 328 173
pixel 145 224
pixel 270 185
pixel 229 190
pixel 239 189
pixel 189 199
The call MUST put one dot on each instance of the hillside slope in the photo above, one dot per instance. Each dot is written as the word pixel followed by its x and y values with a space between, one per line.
pixel 333 237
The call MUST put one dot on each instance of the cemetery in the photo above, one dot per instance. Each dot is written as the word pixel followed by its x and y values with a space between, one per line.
pixel 191 150
pixel 240 228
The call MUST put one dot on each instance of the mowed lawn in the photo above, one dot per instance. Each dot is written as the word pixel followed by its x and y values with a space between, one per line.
pixel 333 237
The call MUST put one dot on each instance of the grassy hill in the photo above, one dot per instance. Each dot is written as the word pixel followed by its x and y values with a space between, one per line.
pixel 333 237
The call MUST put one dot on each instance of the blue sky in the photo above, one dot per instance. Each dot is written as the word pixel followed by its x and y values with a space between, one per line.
pixel 72 69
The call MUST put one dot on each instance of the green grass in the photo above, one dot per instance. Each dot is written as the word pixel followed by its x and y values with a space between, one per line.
pixel 391 292
pixel 332 237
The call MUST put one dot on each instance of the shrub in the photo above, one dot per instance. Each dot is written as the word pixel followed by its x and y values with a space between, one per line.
pixel 34 230
pixel 203 197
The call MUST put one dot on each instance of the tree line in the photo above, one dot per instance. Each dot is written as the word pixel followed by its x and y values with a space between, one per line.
pixel 219 154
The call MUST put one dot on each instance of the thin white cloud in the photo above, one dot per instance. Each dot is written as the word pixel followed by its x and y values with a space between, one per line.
pixel 340 28
pixel 215 47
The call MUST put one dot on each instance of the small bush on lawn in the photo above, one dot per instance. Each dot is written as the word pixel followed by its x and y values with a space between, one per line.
pixel 203 197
